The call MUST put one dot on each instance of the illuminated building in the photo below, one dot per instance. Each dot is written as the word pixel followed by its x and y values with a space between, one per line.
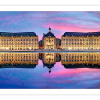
pixel 19 59
pixel 18 41
pixel 49 59
pixel 49 40
pixel 82 58
pixel 80 41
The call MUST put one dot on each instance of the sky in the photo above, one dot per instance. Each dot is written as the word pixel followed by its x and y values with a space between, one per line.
pixel 59 21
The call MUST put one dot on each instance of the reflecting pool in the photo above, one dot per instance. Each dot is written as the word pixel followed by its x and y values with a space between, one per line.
pixel 29 70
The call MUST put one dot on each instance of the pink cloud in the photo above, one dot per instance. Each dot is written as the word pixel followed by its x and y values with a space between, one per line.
pixel 61 18
pixel 8 18
pixel 70 27
pixel 78 71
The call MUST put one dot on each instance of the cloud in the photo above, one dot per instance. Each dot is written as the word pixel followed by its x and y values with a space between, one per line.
pixel 59 21
pixel 70 27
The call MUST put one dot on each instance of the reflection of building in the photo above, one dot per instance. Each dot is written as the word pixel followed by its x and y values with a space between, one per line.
pixel 80 41
pixel 19 59
pixel 49 59
pixel 49 40
pixel 90 58
pixel 18 41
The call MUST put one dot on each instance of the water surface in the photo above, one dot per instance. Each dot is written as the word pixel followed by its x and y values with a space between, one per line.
pixel 22 70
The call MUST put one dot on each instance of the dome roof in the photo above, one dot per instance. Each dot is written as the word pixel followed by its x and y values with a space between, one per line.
pixel 49 33
pixel 49 65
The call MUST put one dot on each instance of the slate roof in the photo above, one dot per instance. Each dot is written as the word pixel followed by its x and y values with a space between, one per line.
pixel 81 66
pixel 81 33
pixel 49 34
pixel 18 34
pixel 18 66
pixel 49 65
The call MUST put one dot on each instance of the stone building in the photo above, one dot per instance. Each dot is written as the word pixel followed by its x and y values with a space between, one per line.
pixel 80 41
pixel 49 59
pixel 18 41
pixel 41 44
pixel 82 59
pixel 49 40
pixel 18 59
pixel 58 43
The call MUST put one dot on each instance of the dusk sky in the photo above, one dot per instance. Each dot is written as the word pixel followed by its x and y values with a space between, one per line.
pixel 59 21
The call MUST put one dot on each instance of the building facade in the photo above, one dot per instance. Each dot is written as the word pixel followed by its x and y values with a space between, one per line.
pixel 80 41
pixel 82 59
pixel 49 59
pixel 49 40
pixel 19 41
pixel 19 59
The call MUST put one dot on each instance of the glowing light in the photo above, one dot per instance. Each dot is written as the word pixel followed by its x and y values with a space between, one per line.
pixel 2 48
pixel 7 48
pixel 87 48
pixel 69 48
pixel 30 48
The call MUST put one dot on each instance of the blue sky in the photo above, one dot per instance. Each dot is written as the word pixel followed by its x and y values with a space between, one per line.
pixel 59 21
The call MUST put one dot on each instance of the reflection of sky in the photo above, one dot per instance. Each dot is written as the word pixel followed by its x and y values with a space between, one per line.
pixel 60 22
pixel 59 77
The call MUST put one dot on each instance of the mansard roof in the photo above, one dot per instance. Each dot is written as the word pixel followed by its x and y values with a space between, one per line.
pixel 18 66
pixel 81 33
pixel 49 65
pixel 67 66
pixel 18 34
pixel 49 34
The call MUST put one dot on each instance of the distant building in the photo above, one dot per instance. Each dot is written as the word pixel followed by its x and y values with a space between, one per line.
pixel 41 44
pixel 80 41
pixel 58 43
pixel 49 40
pixel 18 41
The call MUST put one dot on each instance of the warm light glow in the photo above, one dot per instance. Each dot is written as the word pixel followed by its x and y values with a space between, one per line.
pixel 7 48
pixel 87 48
pixel 69 48
pixel 30 48
pixel 2 48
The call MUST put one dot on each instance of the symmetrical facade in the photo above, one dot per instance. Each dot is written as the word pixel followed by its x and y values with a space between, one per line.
pixel 80 41
pixel 19 59
pixel 69 41
pixel 49 40
pixel 19 41
pixel 49 59
pixel 81 59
